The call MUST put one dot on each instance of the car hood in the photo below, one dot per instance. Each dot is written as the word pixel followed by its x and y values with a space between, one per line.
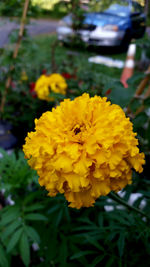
pixel 102 19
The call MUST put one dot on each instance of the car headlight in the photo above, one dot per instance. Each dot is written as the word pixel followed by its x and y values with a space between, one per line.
pixel 110 28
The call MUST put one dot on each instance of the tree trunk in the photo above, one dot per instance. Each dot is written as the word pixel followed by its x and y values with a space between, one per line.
pixel 147 7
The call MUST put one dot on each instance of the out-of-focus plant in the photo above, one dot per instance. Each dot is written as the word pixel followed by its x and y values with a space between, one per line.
pixel 11 67
pixel 41 231
pixel 13 8
pixel 77 13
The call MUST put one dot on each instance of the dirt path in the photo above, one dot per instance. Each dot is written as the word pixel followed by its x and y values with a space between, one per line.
pixel 34 28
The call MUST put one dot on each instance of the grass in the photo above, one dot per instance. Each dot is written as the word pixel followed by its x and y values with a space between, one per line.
pixel 39 49
pixel 40 52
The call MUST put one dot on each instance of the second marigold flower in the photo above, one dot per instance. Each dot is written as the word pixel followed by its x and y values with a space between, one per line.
pixel 50 83
pixel 84 148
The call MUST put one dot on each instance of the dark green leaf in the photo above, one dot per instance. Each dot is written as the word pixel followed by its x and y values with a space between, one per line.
pixel 136 103
pixel 97 260
pixel 34 207
pixel 35 217
pixel 137 202
pixel 81 254
pixel 56 96
pixel 146 194
pixel 110 262
pixel 94 242
pixel 63 253
pixel 14 239
pixel 121 96
pixel 100 220
pixel 59 217
pixel 121 243
pixel 31 197
pixel 3 258
pixel 147 102
pixel 25 249
pixel 148 134
pixel 136 78
pixel 139 120
pixel 10 229
pixel 32 233
pixel 10 216
pixel 53 209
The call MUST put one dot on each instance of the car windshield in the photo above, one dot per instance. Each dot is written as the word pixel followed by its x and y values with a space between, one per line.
pixel 118 9
pixel 115 7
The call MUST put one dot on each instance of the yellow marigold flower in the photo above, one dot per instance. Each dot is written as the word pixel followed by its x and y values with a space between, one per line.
pixel 47 83
pixel 84 149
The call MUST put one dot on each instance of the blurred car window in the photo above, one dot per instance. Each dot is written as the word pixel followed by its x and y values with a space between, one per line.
pixel 117 9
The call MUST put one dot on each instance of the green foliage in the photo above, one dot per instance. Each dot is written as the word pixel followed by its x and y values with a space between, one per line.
pixel 69 237
pixel 13 8
pixel 7 6
pixel 16 173
pixel 53 9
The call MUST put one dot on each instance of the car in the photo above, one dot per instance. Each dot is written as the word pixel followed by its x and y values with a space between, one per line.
pixel 116 25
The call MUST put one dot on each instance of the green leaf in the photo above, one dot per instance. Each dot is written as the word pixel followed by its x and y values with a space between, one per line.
pixel 53 209
pixel 35 217
pixel 148 134
pixel 85 220
pixel 136 103
pixel 97 260
pixel 136 79
pixel 147 102
pixel 121 96
pixel 3 258
pixel 119 218
pixel 59 217
pixel 146 194
pixel 67 214
pixel 56 96
pixel 34 207
pixel 25 249
pixel 139 120
pixel 63 252
pixel 10 229
pixel 14 239
pixel 100 220
pixel 120 243
pixel 110 262
pixel 9 216
pixel 94 242
pixel 81 254
pixel 30 198
pixel 32 233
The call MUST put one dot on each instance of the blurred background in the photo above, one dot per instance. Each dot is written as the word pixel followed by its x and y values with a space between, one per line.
pixel 100 48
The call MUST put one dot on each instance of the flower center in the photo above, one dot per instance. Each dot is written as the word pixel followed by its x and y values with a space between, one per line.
pixel 77 130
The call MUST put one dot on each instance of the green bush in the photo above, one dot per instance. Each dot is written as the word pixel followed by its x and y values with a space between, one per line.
pixel 45 232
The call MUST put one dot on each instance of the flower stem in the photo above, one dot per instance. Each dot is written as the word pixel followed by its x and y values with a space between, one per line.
pixel 14 56
pixel 118 199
